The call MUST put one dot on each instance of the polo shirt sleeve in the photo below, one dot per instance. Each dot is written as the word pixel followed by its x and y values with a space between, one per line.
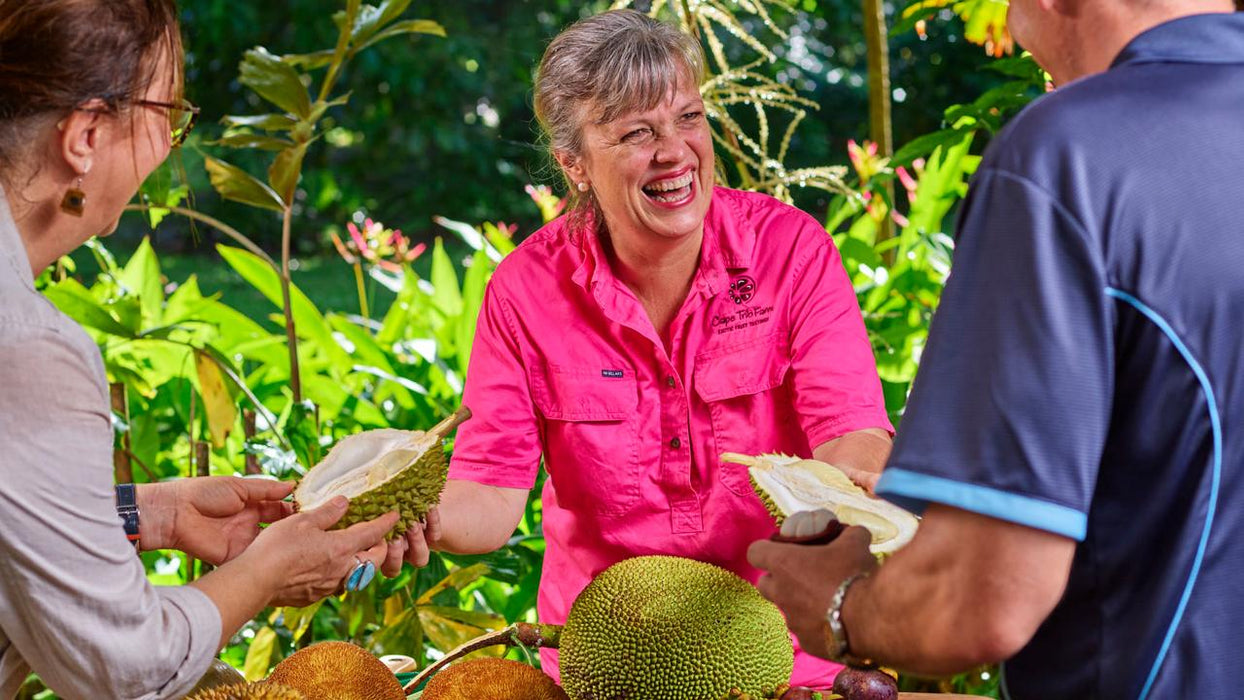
pixel 1009 410
pixel 834 374
pixel 500 444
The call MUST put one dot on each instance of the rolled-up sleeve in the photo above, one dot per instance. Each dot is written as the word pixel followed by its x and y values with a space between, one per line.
pixel 500 445
pixel 75 603
pixel 835 376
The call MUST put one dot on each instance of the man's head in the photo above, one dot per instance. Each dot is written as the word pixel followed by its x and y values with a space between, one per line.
pixel 1075 38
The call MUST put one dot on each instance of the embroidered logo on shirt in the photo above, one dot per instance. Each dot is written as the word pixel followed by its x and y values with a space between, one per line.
pixel 612 373
pixel 742 290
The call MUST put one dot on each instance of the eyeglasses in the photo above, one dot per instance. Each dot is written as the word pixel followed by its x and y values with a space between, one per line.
pixel 181 116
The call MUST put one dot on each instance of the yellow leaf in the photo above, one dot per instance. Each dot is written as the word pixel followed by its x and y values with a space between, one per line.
pixel 259 655
pixel 221 411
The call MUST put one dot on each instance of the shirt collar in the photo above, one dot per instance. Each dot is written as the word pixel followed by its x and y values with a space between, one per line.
pixel 1207 38
pixel 12 249
pixel 729 241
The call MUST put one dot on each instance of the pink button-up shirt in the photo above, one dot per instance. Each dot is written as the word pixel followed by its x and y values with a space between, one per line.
pixel 768 354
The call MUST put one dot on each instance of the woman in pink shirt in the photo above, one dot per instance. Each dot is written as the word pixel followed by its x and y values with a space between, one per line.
pixel 661 322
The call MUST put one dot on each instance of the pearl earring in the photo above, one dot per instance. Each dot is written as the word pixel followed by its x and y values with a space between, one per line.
pixel 584 187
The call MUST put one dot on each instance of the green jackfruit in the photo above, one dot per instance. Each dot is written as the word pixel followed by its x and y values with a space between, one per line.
pixel 668 628
pixel 337 670
pixel 249 691
pixel 787 485
pixel 382 471
pixel 492 679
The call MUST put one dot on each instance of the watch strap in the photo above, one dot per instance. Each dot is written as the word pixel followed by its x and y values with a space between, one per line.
pixel 127 510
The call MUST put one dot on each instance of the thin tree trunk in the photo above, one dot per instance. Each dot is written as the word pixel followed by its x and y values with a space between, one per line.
pixel 879 100
pixel 123 470
pixel 291 338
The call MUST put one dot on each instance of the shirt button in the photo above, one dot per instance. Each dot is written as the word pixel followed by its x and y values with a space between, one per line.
pixel 670 382
pixel 675 443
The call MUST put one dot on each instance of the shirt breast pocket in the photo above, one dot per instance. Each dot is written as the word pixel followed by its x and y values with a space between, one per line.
pixel 591 437
pixel 751 409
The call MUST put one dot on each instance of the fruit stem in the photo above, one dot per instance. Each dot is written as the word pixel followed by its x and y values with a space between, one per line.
pixel 519 633
pixel 447 426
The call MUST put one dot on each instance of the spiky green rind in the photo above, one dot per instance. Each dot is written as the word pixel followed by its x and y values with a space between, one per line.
pixel 249 691
pixel 770 506
pixel 668 628
pixel 412 493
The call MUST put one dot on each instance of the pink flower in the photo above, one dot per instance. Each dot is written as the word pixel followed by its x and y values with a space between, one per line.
pixel 550 205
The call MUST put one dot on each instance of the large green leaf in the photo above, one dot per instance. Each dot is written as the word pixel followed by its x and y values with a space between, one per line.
pixel 141 276
pixel 238 185
pixel 308 320
pixel 248 140
pixel 259 654
pixel 472 299
pixel 275 81
pixel 447 297
pixel 77 303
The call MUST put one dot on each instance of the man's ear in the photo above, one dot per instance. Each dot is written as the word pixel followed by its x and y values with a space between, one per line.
pixel 81 135
pixel 1066 8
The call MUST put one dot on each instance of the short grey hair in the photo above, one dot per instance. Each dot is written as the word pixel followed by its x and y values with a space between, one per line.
pixel 612 63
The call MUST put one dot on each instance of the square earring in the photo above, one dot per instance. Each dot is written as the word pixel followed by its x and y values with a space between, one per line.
pixel 74 202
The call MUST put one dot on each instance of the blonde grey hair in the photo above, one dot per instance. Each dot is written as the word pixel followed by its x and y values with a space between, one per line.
pixel 603 67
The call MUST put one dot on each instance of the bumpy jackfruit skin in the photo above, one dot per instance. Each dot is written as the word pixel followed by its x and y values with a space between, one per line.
pixel 413 492
pixel 492 679
pixel 668 628
pixel 249 691
pixel 337 670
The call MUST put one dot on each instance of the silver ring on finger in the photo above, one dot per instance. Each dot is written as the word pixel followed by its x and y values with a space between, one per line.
pixel 361 575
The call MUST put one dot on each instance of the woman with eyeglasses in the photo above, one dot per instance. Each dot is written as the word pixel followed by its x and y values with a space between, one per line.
pixel 89 105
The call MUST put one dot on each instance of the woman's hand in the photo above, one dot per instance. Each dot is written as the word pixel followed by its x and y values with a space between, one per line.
pixel 420 540
pixel 304 561
pixel 211 518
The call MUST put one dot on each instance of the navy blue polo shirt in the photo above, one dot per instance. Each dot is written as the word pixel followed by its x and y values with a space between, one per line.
pixel 1084 374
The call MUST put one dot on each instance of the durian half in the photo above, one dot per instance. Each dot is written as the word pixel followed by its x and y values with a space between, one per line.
pixel 381 471
pixel 789 484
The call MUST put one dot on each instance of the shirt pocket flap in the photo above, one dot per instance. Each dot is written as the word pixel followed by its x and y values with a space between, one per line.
pixel 753 368
pixel 580 394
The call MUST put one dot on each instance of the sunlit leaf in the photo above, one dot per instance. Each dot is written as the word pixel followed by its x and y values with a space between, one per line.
pixel 285 170
pixel 221 410
pixel 259 655
pixel 458 578
pixel 413 26
pixel 142 277
pixel 77 303
pixel 246 139
pixel 240 186
pixel 267 122
pixel 447 297
pixel 275 81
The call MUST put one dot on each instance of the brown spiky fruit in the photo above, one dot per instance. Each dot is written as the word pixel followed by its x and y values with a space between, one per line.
pixel 337 670
pixel 249 691
pixel 492 679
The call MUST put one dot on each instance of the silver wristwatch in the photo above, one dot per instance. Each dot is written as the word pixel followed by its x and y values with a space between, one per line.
pixel 836 631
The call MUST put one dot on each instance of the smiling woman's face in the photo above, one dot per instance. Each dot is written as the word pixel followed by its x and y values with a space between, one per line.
pixel 651 172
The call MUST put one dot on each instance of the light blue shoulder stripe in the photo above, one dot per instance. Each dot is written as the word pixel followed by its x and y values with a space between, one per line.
pixel 903 487
pixel 1216 426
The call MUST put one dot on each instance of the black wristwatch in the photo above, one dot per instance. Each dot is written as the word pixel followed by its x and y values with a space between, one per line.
pixel 127 510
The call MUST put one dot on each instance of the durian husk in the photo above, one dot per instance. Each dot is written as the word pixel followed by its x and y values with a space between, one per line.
pixel 218 674
pixel 382 471
pixel 249 691
pixel 492 679
pixel 788 484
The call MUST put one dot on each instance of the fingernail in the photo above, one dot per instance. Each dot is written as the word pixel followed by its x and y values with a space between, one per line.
pixel 340 502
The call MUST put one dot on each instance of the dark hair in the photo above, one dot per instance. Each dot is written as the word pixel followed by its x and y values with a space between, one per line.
pixel 612 63
pixel 58 54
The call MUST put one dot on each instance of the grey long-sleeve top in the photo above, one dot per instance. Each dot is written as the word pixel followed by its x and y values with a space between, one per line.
pixel 75 603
